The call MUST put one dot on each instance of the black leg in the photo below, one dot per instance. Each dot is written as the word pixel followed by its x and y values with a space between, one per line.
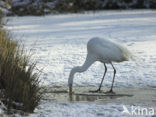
pixel 111 90
pixel 103 77
pixel 99 89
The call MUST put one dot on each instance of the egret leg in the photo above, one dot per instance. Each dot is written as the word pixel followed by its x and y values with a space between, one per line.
pixel 111 90
pixel 99 89
pixel 103 77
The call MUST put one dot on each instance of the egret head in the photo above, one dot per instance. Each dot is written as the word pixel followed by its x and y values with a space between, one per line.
pixel 70 81
pixel 71 77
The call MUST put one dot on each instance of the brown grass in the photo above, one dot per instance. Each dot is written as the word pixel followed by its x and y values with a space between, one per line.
pixel 19 79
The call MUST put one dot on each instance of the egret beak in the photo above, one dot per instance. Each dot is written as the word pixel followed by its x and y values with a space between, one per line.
pixel 70 90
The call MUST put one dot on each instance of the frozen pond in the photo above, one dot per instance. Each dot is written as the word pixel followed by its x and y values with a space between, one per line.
pixel 59 43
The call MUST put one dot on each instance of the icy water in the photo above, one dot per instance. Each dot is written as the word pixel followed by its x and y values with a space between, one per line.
pixel 138 95
pixel 59 44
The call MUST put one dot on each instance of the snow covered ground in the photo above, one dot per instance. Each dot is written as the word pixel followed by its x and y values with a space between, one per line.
pixel 59 43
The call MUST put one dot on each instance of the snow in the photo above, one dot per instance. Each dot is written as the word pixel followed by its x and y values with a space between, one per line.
pixel 2 108
pixel 79 110
pixel 18 2
pixel 4 8
pixel 59 43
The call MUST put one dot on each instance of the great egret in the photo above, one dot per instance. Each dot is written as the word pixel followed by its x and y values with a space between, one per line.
pixel 105 51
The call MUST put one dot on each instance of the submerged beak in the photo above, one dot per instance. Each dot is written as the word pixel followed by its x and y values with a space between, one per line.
pixel 70 90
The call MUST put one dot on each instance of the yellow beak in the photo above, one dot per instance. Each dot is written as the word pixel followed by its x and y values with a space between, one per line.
pixel 70 90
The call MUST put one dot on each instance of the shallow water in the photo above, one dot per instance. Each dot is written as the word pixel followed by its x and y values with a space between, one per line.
pixel 141 95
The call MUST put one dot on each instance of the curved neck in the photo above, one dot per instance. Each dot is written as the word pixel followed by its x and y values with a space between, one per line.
pixel 89 61
pixel 71 75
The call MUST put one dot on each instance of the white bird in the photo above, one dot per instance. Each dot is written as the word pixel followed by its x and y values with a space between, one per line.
pixel 105 51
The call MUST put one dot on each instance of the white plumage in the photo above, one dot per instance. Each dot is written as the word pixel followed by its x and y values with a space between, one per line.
pixel 105 51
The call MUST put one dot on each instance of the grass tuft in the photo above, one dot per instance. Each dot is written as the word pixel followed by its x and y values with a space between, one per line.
pixel 19 79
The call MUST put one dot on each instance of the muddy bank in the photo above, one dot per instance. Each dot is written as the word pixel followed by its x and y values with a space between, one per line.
pixel 139 95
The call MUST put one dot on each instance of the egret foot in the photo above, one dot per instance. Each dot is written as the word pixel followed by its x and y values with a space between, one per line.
pixel 96 91
pixel 110 92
